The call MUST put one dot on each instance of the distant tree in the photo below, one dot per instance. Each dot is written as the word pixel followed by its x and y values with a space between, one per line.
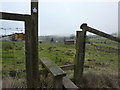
pixel 64 39
pixel 72 36
pixel 52 40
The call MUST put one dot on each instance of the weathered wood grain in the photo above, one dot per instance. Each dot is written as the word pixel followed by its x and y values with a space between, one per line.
pixel 80 56
pixel 13 16
pixel 52 68
pixel 31 48
pixel 56 71
pixel 100 33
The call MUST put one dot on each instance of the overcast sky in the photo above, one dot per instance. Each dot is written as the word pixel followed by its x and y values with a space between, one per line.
pixel 65 17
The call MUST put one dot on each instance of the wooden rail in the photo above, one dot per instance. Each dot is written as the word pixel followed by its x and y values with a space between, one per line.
pixel 100 33
pixel 13 16
pixel 65 67
pixel 56 71
pixel 70 67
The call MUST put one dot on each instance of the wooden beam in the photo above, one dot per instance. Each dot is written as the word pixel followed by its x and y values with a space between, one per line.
pixel 67 67
pixel 100 33
pixel 34 38
pixel 52 68
pixel 13 16
pixel 80 56
pixel 70 67
pixel 28 53
pixel 31 44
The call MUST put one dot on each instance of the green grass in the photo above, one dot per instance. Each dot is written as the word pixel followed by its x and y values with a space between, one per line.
pixel 12 52
pixel 60 54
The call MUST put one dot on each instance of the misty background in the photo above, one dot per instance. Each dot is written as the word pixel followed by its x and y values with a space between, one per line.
pixel 64 18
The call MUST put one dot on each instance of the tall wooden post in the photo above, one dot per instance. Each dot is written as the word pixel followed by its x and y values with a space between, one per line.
pixel 119 43
pixel 31 25
pixel 80 56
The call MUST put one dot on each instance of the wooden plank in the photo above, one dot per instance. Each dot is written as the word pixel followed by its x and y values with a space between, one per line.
pixel 13 16
pixel 80 56
pixel 100 33
pixel 28 53
pixel 68 84
pixel 64 68
pixel 31 47
pixel 52 68
pixel 67 67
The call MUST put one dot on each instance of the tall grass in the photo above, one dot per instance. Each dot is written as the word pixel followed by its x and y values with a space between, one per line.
pixel 13 83
pixel 99 80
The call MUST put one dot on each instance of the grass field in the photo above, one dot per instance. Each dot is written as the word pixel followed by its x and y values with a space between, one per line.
pixel 13 57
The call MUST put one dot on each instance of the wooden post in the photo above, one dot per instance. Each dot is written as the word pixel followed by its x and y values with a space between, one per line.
pixel 119 43
pixel 80 54
pixel 58 83
pixel 31 46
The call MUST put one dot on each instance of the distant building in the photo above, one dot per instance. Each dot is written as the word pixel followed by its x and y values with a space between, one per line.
pixel 69 41
pixel 13 37
pixel 19 36
pixel 115 34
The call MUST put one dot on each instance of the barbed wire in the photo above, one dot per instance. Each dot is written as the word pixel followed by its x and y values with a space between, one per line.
pixel 16 28
pixel 11 30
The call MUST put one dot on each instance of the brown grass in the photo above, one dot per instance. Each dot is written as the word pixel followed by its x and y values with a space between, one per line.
pixel 101 80
pixel 9 82
pixel 90 80
pixel 13 83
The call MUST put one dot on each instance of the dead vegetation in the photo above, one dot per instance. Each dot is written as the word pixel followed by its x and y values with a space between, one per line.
pixel 90 80
pixel 13 83
pixel 99 80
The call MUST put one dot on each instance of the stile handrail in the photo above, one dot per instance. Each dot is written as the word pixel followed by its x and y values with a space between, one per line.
pixel 100 33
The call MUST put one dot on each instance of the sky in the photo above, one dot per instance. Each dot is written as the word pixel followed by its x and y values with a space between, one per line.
pixel 58 17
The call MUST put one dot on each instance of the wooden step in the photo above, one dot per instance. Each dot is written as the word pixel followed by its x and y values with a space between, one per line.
pixel 68 84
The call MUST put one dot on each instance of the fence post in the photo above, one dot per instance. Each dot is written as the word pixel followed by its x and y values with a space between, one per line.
pixel 31 47
pixel 80 54
pixel 58 83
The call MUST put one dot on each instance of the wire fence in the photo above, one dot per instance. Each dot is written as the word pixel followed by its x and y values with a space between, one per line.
pixel 101 55
pixel 13 52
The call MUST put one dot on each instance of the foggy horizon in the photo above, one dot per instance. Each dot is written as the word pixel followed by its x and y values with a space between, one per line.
pixel 65 18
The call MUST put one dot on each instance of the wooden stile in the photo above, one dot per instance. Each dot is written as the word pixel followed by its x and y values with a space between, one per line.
pixel 31 42
pixel 56 71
